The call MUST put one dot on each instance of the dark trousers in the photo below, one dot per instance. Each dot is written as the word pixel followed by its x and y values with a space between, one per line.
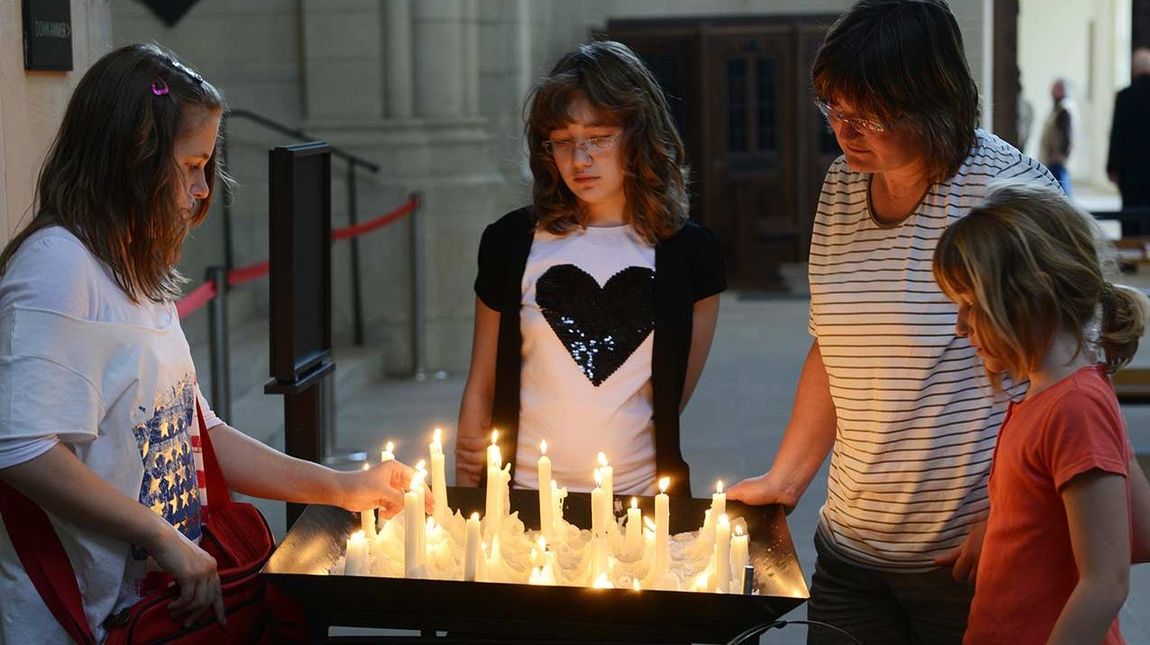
pixel 884 608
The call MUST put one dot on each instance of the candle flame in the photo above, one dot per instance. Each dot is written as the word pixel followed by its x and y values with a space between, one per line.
pixel 390 446
pixel 421 465
pixel 634 502
pixel 635 584
pixel 649 523
pixel 437 437
pixel 702 583
pixel 542 544
pixel 475 516
pixel 602 458
pixel 494 437
pixel 739 530
pixel 603 582
pixel 367 466
pixel 543 446
pixel 724 520
pixel 598 478
pixel 663 484
pixel 358 536
pixel 417 480
pixel 430 523
pixel 719 487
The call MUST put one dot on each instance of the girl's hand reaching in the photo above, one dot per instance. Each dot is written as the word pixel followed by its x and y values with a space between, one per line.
pixel 382 486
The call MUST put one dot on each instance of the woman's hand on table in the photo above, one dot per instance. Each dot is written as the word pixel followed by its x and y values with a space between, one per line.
pixel 381 486
pixel 761 490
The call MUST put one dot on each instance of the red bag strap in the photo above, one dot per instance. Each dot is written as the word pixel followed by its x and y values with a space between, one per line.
pixel 218 494
pixel 45 561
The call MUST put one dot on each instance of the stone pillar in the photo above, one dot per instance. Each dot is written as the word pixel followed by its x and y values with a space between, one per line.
pixel 400 94
pixel 343 64
pixel 440 66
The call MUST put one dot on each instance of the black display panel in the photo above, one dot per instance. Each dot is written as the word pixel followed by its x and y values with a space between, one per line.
pixel 300 237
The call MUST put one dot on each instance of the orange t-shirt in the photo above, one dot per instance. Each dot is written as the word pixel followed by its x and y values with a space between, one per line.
pixel 1027 572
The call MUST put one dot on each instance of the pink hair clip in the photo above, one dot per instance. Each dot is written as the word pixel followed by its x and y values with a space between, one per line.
pixel 159 87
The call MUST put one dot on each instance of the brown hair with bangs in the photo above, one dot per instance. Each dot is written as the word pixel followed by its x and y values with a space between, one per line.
pixel 902 62
pixel 1031 261
pixel 622 91
pixel 110 177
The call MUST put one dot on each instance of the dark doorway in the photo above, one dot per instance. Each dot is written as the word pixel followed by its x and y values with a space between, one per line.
pixel 740 92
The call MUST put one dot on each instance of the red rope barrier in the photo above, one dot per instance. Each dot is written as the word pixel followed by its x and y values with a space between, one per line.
pixel 198 297
pixel 203 294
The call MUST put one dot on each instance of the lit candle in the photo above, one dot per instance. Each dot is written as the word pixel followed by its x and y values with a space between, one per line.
pixel 597 519
pixel 723 554
pixel 740 554
pixel 388 452
pixel 546 503
pixel 355 563
pixel 608 475
pixel 494 504
pixel 367 518
pixel 635 584
pixel 557 497
pixel 438 478
pixel 421 491
pixel 471 550
pixel 718 501
pixel 634 538
pixel 662 528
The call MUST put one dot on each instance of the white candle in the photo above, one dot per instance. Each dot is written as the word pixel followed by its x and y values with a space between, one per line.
pixel 493 456
pixel 471 548
pixel 438 478
pixel 355 563
pixel 546 503
pixel 723 554
pixel 421 491
pixel 662 528
pixel 740 556
pixel 388 452
pixel 597 519
pixel 634 537
pixel 600 552
pixel 414 528
pixel 493 513
pixel 608 475
pixel 718 501
pixel 557 497
pixel 367 518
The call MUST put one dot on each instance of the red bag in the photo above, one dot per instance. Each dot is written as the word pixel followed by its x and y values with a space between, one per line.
pixel 235 534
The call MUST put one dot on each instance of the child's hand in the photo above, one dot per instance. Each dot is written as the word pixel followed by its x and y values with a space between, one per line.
pixel 470 457
pixel 964 557
pixel 381 486
pixel 195 574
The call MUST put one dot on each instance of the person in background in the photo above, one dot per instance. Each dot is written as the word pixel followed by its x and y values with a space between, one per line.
pixel 1058 135
pixel 900 403
pixel 1128 164
pixel 1024 270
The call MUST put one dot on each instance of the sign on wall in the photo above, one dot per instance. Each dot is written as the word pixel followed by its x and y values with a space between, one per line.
pixel 47 35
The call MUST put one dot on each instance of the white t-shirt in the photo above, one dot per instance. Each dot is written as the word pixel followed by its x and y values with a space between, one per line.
pixel 588 330
pixel 113 380
pixel 917 420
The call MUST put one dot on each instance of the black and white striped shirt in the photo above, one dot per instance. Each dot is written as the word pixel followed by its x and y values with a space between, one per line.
pixel 917 419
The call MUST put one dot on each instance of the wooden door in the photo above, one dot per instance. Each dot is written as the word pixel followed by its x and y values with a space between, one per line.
pixel 749 173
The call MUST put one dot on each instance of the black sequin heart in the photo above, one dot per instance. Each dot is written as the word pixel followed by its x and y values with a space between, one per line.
pixel 600 326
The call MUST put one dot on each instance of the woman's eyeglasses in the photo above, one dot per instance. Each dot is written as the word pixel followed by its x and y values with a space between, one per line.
pixel 564 148
pixel 862 126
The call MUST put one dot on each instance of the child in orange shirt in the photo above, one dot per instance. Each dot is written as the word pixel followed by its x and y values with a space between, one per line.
pixel 1025 273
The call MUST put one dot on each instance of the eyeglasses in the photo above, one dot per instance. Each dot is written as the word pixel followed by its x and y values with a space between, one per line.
pixel 563 148
pixel 862 126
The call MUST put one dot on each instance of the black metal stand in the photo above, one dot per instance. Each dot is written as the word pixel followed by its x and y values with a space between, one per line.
pixel 305 423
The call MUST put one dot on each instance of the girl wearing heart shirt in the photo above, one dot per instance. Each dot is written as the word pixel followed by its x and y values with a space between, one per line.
pixel 596 305
pixel 1069 508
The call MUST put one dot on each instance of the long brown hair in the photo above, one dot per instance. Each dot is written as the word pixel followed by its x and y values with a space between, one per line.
pixel 624 92
pixel 1031 260
pixel 902 61
pixel 110 177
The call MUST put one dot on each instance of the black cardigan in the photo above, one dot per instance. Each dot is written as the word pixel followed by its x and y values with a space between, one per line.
pixel 688 268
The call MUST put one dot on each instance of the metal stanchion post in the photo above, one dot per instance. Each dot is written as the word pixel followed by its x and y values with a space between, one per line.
pixel 229 252
pixel 218 343
pixel 331 455
pixel 418 317
pixel 356 291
